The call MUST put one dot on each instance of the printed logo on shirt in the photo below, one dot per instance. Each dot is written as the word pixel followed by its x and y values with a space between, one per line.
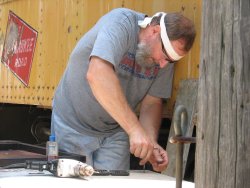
pixel 128 64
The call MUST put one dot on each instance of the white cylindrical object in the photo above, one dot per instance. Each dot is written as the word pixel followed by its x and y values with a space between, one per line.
pixel 73 168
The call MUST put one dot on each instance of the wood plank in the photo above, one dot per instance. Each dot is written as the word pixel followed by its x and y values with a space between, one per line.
pixel 186 96
pixel 222 149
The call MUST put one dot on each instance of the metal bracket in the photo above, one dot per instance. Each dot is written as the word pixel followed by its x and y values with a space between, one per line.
pixel 180 126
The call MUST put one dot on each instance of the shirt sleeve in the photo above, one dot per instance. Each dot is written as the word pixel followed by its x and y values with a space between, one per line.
pixel 162 86
pixel 111 42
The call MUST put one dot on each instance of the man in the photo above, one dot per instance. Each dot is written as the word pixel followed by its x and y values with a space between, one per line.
pixel 124 60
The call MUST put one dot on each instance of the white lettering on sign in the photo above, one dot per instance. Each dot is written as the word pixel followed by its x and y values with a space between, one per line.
pixel 25 45
pixel 21 62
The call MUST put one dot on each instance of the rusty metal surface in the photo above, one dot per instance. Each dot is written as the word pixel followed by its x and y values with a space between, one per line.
pixel 12 152
pixel 17 154
pixel 182 139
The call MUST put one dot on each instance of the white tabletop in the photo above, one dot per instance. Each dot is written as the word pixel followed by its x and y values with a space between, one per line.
pixel 138 179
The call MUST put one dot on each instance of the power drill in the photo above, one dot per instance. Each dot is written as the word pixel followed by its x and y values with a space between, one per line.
pixel 62 167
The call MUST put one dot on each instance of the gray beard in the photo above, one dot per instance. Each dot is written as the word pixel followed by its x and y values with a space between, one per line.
pixel 143 56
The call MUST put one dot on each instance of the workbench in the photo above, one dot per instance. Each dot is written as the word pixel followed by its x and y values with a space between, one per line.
pixel 10 178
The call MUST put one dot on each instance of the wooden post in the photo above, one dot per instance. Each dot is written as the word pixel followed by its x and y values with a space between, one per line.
pixel 223 130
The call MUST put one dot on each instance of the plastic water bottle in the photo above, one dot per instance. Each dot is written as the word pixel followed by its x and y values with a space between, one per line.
pixel 52 148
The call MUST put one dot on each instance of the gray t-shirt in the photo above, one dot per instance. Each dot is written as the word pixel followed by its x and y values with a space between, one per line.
pixel 114 38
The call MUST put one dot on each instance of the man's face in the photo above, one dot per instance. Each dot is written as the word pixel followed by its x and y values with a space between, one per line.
pixel 151 52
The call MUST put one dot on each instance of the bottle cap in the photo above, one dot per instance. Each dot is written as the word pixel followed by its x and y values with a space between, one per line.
pixel 52 138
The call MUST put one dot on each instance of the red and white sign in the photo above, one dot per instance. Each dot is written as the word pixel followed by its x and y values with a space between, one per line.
pixel 19 47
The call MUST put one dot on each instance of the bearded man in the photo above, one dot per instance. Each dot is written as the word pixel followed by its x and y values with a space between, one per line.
pixel 126 59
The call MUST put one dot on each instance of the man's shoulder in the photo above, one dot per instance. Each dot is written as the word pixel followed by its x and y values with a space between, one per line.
pixel 124 11
pixel 120 13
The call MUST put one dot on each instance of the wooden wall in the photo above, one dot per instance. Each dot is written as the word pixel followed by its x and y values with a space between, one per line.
pixel 223 131
pixel 60 24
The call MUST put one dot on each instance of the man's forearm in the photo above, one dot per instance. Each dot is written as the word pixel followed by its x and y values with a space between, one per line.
pixel 150 116
pixel 106 88
pixel 108 92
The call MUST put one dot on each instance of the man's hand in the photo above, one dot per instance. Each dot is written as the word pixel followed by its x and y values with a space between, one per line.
pixel 150 119
pixel 140 144
pixel 159 159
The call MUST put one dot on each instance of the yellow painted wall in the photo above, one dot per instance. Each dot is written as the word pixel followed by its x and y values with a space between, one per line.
pixel 60 24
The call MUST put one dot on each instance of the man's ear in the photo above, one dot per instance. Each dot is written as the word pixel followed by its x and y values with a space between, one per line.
pixel 156 29
pixel 153 30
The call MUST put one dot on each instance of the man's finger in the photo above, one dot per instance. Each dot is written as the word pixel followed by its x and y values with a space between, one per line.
pixel 143 153
pixel 160 167
pixel 137 152
pixel 158 155
pixel 144 160
pixel 132 149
